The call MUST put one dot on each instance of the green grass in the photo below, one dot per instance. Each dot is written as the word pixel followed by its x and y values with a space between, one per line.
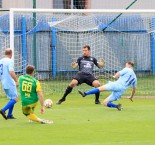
pixel 145 86
pixel 78 121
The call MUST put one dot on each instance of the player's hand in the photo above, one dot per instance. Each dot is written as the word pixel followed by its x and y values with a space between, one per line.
pixel 74 65
pixel 101 63
pixel 130 98
pixel 42 110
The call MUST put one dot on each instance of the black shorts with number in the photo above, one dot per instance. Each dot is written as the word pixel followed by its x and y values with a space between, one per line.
pixel 85 78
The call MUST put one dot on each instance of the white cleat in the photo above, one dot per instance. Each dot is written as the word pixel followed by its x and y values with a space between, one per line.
pixel 46 122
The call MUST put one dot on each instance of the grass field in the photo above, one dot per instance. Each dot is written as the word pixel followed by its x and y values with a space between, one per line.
pixel 78 121
pixel 145 86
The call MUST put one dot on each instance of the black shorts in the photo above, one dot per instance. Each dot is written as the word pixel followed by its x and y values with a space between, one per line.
pixel 85 78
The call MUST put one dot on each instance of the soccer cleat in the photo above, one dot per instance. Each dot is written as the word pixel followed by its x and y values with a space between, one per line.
pixel 30 121
pixel 97 102
pixel 3 114
pixel 60 101
pixel 11 117
pixel 46 122
pixel 119 107
pixel 82 93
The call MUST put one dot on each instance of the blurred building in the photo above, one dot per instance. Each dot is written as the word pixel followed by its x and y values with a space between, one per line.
pixel 77 4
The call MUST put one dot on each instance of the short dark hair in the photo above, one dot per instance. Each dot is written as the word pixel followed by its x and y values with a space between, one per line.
pixel 8 51
pixel 87 46
pixel 131 63
pixel 29 69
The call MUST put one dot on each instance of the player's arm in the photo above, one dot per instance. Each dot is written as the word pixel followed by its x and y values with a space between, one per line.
pixel 41 97
pixel 134 84
pixel 117 75
pixel 101 63
pixel 132 94
pixel 13 75
pixel 74 65
pixel 120 73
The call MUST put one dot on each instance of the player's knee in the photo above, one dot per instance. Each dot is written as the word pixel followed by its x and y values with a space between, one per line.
pixel 72 85
pixel 16 99
pixel 96 84
pixel 26 114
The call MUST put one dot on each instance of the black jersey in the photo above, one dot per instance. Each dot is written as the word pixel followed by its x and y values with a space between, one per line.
pixel 86 64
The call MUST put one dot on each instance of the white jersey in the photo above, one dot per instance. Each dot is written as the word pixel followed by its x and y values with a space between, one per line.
pixel 6 65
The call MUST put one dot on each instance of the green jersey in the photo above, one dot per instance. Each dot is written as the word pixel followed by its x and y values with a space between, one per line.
pixel 29 87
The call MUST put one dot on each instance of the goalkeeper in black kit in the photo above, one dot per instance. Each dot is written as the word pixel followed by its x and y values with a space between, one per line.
pixel 85 74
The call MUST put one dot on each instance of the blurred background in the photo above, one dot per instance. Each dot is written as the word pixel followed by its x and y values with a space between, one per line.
pixel 76 4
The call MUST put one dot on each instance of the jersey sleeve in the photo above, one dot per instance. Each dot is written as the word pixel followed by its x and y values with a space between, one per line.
pixel 38 87
pixel 95 61
pixel 78 60
pixel 123 71
pixel 11 66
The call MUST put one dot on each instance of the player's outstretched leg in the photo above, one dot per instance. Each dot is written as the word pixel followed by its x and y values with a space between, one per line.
pixel 68 90
pixel 96 84
pixel 10 110
pixel 109 104
pixel 119 107
pixel 3 114
pixel 97 101
pixel 9 106
pixel 112 105
pixel 93 91
pixel 61 100
pixel 82 93
pixel 34 118
pixel 46 121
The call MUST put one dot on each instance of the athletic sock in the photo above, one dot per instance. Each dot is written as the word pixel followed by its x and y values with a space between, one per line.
pixel 68 90
pixel 9 105
pixel 93 91
pixel 33 117
pixel 111 105
pixel 97 95
pixel 10 111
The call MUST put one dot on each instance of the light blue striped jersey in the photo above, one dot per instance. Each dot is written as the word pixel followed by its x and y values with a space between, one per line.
pixel 6 65
pixel 127 78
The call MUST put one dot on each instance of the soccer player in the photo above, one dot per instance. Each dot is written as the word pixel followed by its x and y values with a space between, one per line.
pixel 85 74
pixel 9 83
pixel 126 77
pixel 31 92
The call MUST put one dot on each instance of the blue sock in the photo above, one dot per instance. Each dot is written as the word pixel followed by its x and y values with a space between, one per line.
pixel 93 91
pixel 110 104
pixel 10 111
pixel 9 105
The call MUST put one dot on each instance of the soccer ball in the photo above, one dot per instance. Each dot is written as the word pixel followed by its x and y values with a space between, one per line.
pixel 48 103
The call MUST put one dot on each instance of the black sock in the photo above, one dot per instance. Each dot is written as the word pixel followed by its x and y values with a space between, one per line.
pixel 68 90
pixel 97 95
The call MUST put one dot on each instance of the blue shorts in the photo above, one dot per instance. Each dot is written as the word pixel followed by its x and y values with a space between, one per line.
pixel 11 93
pixel 117 90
